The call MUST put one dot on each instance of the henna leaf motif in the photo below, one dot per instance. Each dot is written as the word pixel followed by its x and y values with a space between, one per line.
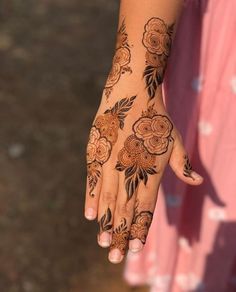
pixel 105 222
pixel 151 137
pixel 121 108
pixel 187 167
pixel 153 78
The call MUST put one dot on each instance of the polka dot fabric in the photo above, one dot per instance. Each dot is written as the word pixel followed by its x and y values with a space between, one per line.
pixel 191 244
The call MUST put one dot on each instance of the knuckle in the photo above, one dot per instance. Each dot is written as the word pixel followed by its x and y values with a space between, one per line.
pixel 124 210
pixel 146 206
pixel 108 197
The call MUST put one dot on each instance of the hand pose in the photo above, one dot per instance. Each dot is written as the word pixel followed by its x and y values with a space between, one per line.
pixel 132 137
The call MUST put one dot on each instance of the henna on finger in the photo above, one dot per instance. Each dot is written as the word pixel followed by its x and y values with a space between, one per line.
pixel 157 39
pixel 103 135
pixel 121 60
pixel 188 168
pixel 151 137
pixel 140 225
pixel 120 237
pixel 105 223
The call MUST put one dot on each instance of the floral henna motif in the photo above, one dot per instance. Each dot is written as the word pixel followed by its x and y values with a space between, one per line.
pixel 105 221
pixel 121 60
pixel 187 167
pixel 151 137
pixel 103 136
pixel 157 40
pixel 140 225
pixel 120 237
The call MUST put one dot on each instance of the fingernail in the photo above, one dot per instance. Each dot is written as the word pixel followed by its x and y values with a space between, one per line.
pixel 115 256
pixel 90 214
pixel 196 175
pixel 105 239
pixel 135 245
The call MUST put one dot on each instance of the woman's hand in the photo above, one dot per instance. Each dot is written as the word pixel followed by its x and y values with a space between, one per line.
pixel 133 138
pixel 129 146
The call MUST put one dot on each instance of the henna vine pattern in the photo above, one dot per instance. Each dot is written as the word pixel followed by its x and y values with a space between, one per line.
pixel 140 225
pixel 121 60
pixel 151 137
pixel 157 39
pixel 187 167
pixel 120 237
pixel 105 221
pixel 103 135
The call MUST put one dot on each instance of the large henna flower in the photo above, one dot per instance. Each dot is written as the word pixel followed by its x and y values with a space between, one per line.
pixel 127 159
pixel 154 132
pixel 145 160
pixel 122 56
pixel 114 75
pixel 98 148
pixel 161 126
pixel 156 145
pixel 108 124
pixel 134 145
pixel 156 38
pixel 103 150
pixel 142 128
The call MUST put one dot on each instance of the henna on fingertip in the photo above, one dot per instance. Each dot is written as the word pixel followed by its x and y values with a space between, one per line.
pixel 120 237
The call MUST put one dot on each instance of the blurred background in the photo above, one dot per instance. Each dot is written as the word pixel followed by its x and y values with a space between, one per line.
pixel 55 55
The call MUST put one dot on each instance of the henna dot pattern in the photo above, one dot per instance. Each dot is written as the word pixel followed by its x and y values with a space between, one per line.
pixel 121 60
pixel 151 137
pixel 157 39
pixel 103 135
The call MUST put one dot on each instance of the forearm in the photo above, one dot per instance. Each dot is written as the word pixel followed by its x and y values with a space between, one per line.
pixel 145 33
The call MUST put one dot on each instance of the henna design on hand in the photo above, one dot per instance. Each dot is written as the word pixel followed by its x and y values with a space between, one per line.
pixel 103 135
pixel 187 167
pixel 151 137
pixel 157 39
pixel 121 60
pixel 140 225
pixel 105 222
pixel 120 237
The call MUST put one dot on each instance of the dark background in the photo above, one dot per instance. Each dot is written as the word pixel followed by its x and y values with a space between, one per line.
pixel 54 58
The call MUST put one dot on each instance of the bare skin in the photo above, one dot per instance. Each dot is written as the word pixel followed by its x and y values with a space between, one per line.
pixel 132 137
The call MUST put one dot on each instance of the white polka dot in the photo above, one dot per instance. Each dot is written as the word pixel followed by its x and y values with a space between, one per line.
pixel 189 282
pixel 233 281
pixel 197 83
pixel 131 256
pixel 184 244
pixel 152 256
pixel 161 283
pixel 205 128
pixel 133 278
pixel 233 84
pixel 217 214
pixel 173 200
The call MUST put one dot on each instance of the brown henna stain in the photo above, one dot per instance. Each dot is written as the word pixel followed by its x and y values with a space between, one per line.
pixel 157 39
pixel 151 137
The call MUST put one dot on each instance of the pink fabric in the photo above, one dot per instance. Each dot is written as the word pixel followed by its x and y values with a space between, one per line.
pixel 192 241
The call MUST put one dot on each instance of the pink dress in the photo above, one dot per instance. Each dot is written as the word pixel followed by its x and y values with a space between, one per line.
pixel 192 241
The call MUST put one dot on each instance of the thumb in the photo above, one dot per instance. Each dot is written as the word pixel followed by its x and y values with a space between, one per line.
pixel 180 164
